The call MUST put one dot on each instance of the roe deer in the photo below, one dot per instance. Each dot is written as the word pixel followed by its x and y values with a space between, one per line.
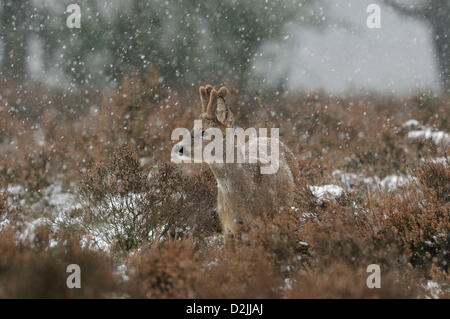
pixel 243 191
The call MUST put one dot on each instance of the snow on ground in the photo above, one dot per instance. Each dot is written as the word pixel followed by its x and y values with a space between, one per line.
pixel 53 198
pixel 15 190
pixel 434 290
pixel 57 204
pixel 122 272
pixel 4 223
pixel 438 160
pixel 326 192
pixel 214 241
pixel 424 132
pixel 60 201
pixel 411 123
pixel 427 133
pixel 392 182
pixel 28 232
pixel 389 183
pixel 118 212
pixel 288 282
pixel 352 181
pixel 95 242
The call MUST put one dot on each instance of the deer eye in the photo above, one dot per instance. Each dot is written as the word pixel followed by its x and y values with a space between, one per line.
pixel 203 133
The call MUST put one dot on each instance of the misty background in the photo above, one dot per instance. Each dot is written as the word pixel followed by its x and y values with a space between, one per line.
pixel 287 45
pixel 348 56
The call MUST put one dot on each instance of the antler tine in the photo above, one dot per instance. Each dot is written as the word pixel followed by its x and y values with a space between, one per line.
pixel 211 109
pixel 204 98
pixel 209 88
pixel 223 92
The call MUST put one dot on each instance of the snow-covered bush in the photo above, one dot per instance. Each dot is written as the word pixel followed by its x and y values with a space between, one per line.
pixel 127 205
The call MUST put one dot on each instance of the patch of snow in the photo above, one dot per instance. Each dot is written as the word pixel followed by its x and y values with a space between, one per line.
pixel 347 179
pixel 15 190
pixel 305 216
pixel 214 241
pixel 392 182
pixel 39 137
pixel 145 161
pixel 4 223
pixel 438 160
pixel 434 290
pixel 53 243
pixel 28 233
pixel 118 213
pixel 59 200
pixel 427 133
pixel 389 183
pixel 411 123
pixel 303 243
pixel 95 242
pixel 53 197
pixel 326 192
pixel 122 272
pixel 288 282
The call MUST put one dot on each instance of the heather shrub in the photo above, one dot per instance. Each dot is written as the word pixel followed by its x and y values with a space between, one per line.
pixel 406 232
pixel 169 270
pixel 435 177
pixel 419 219
pixel 158 220
pixel 128 205
pixel 36 270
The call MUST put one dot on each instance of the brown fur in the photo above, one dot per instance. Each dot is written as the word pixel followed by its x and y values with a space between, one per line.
pixel 243 192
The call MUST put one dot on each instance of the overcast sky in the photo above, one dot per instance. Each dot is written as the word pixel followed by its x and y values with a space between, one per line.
pixel 397 58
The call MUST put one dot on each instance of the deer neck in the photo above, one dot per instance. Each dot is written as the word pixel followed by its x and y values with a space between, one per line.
pixel 232 178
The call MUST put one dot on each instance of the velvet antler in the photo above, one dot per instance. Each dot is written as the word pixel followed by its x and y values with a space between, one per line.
pixel 211 108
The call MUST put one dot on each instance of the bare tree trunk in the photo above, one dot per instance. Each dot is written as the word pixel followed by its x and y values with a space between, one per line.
pixel 441 45
pixel 436 13
pixel 441 38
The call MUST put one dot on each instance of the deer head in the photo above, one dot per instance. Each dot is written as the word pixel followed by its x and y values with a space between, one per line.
pixel 215 113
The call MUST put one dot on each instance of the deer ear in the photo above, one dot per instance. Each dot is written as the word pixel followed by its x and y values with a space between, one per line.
pixel 223 92
pixel 224 114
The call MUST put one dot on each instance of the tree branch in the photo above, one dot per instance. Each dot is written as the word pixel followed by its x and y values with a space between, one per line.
pixel 410 10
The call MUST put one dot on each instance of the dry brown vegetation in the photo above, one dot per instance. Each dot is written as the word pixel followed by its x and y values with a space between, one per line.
pixel 157 220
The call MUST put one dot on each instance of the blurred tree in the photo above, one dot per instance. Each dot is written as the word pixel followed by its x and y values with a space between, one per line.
pixel 189 41
pixel 437 14
pixel 14 31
